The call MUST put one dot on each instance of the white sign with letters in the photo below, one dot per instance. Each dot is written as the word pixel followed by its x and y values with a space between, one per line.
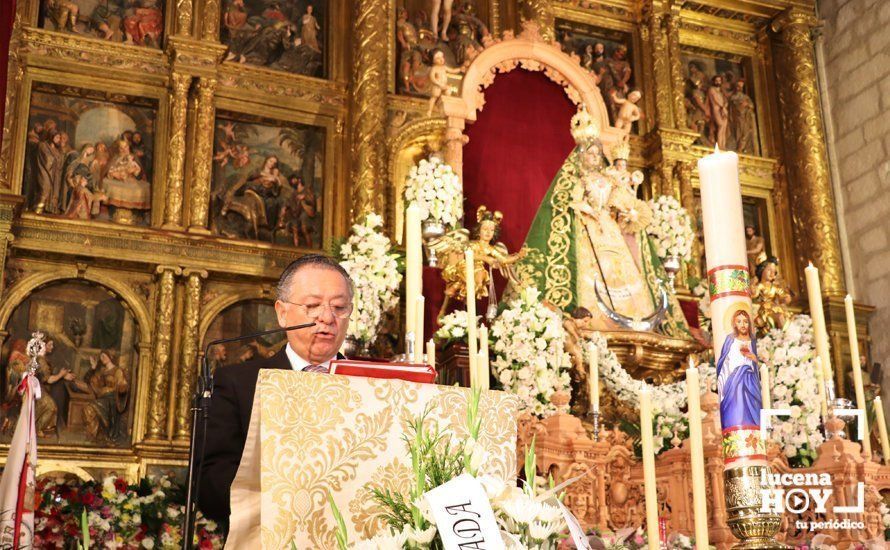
pixel 463 515
pixel 578 536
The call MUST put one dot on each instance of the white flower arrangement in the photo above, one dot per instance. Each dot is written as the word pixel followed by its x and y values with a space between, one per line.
pixel 436 189
pixel 453 327
pixel 368 259
pixel 670 228
pixel 530 357
pixel 789 354
pixel 668 400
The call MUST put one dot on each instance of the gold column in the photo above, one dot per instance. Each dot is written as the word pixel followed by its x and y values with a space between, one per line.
pixel 14 76
pixel 678 82
pixel 184 10
pixel 176 151
pixel 160 364
pixel 210 20
pixel 188 358
pixel 683 177
pixel 656 33
pixel 815 224
pixel 540 12
pixel 199 200
pixel 668 185
pixel 9 205
pixel 369 107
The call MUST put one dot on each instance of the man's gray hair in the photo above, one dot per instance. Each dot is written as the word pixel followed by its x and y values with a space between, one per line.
pixel 282 289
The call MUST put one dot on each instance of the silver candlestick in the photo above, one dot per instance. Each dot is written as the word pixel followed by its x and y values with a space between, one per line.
pixel 408 356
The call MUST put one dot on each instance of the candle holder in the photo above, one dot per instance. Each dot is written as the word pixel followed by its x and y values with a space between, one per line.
pixel 595 417
pixel 744 495
pixel 842 410
pixel 430 232
pixel 408 356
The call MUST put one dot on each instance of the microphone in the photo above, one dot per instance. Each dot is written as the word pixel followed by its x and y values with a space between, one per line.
pixel 205 382
pixel 201 410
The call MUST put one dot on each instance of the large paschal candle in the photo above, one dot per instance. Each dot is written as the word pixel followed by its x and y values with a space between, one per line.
pixel 735 347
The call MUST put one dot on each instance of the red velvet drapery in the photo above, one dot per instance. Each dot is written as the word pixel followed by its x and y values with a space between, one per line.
pixel 517 145
pixel 7 16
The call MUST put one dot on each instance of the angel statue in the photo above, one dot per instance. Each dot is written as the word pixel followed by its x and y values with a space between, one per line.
pixel 589 251
pixel 488 254
pixel 770 295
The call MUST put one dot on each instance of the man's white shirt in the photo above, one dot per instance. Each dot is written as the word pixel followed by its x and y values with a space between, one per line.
pixel 297 363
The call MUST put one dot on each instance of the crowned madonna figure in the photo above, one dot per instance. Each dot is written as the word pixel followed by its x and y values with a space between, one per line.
pixel 589 253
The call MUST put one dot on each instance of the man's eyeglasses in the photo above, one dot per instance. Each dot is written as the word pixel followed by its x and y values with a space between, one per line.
pixel 314 311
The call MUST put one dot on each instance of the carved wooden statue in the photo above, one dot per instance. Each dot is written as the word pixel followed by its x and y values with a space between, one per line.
pixel 488 253
pixel 770 295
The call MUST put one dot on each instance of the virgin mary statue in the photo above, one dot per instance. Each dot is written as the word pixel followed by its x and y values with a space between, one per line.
pixel 589 253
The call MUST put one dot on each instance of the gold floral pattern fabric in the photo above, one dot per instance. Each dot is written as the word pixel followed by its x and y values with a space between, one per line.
pixel 314 434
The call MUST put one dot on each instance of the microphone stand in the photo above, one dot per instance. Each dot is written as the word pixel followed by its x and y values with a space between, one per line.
pixel 200 414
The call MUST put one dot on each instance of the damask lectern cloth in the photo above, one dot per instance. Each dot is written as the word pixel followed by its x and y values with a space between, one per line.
pixel 311 434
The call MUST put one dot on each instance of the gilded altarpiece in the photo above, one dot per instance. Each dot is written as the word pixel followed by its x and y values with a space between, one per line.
pixel 112 189
pixel 202 68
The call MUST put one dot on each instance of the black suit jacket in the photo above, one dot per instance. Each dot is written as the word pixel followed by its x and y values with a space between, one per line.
pixel 234 387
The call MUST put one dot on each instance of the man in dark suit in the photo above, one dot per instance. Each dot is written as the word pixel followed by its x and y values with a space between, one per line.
pixel 312 288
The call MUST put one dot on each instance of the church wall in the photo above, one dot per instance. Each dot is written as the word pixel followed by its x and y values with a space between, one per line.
pixel 857 69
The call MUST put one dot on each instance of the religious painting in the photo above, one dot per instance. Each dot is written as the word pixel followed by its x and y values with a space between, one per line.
pixel 757 231
pixel 288 35
pixel 435 41
pixel 88 374
pixel 137 22
pixel 608 56
pixel 89 156
pixel 243 318
pixel 268 181
pixel 719 102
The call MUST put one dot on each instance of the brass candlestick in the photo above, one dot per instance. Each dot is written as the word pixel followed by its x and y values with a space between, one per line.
pixel 743 489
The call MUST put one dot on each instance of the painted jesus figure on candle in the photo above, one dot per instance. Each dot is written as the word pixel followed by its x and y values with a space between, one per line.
pixel 738 375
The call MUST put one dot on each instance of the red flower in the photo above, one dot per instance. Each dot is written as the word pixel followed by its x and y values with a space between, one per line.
pixel 205 544
pixel 120 485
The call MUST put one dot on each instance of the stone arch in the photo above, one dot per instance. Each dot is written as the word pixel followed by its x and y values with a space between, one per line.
pixel 531 52
pixel 130 299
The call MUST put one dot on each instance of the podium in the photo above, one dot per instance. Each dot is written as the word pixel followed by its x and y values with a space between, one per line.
pixel 313 434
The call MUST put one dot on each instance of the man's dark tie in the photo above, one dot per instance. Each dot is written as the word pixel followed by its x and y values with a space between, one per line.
pixel 316 368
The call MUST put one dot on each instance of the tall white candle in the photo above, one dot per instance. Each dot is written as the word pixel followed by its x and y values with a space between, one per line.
pixel 419 312
pixel 697 452
pixel 882 428
pixel 649 469
pixel 853 337
pixel 483 357
pixel 413 268
pixel 470 274
pixel 724 230
pixel 481 370
pixel 820 386
pixel 766 401
pixel 431 353
pixel 593 377
pixel 820 334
